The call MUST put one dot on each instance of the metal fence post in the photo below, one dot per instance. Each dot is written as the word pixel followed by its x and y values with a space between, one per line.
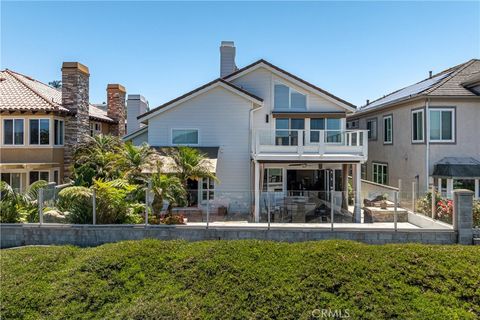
pixel 434 205
pixel 395 213
pixel 332 201
pixel 208 208
pixel 268 210
pixel 413 195
pixel 147 200
pixel 94 206
pixel 40 205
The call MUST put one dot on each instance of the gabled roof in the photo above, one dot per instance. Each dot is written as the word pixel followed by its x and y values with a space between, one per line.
pixel 135 133
pixel 19 92
pixel 217 82
pixel 22 93
pixel 287 74
pixel 449 82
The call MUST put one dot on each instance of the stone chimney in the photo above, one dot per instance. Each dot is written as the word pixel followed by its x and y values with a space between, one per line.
pixel 75 96
pixel 116 108
pixel 136 105
pixel 227 58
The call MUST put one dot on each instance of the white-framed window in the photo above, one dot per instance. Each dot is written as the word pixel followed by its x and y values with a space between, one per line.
pixel 332 127
pixel 442 125
pixel 273 179
pixel 185 136
pixel 56 176
pixel 388 129
pixel 208 189
pixel 13 131
pixel 58 129
pixel 14 179
pixel 95 128
pixel 417 125
pixel 372 129
pixel 352 124
pixel 286 131
pixel 34 176
pixel 39 131
pixel 380 173
pixel 288 98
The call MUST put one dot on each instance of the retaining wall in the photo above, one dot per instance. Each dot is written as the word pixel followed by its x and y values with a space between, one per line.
pixel 13 235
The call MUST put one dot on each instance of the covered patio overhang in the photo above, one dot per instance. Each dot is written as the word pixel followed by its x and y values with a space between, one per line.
pixel 451 169
pixel 168 164
pixel 315 180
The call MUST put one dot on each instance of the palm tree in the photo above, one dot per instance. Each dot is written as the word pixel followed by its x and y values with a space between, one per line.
pixel 9 202
pixel 97 157
pixel 56 84
pixel 167 188
pixel 135 159
pixel 18 206
pixel 190 164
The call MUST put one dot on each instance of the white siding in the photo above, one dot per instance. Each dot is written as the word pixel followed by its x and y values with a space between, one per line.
pixel 260 82
pixel 141 138
pixel 222 119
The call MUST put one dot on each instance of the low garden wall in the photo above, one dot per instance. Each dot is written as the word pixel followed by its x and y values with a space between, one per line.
pixel 13 235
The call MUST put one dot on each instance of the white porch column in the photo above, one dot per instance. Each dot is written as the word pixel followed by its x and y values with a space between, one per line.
pixel 257 191
pixel 357 186
pixel 439 185
pixel 449 187
pixel 477 189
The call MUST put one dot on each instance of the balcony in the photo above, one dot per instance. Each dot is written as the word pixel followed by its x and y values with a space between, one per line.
pixel 310 145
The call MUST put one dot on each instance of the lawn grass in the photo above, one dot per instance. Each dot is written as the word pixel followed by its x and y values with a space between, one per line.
pixel 249 279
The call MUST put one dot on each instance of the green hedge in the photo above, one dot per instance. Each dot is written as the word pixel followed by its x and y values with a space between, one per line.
pixel 153 279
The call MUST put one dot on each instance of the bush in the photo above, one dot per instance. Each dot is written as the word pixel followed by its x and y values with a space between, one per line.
pixel 173 219
pixel 476 213
pixel 76 203
pixel 115 202
pixel 10 202
pixel 242 279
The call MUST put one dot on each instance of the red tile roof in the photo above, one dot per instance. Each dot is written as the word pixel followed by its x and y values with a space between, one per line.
pixel 19 92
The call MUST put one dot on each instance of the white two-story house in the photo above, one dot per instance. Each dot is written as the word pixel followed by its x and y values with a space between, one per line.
pixel 266 131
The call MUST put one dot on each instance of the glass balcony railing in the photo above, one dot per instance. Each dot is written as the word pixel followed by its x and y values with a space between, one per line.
pixel 312 141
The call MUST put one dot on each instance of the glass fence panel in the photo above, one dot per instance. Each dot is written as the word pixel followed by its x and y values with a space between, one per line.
pixel 228 208
pixel 64 204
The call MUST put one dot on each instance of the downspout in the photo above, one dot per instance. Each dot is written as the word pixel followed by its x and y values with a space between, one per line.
pixel 427 143
pixel 251 133
pixel 254 184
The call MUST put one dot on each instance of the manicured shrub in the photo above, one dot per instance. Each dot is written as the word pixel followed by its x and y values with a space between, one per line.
pixel 76 203
pixel 243 279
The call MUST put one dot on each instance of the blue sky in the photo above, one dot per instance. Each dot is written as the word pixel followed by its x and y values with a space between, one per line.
pixel 356 50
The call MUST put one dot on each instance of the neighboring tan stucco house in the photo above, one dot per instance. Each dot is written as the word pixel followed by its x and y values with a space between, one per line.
pixel 265 130
pixel 40 125
pixel 441 150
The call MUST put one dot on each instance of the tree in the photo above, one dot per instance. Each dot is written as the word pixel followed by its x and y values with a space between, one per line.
pixel 167 188
pixel 19 206
pixel 134 159
pixel 97 158
pixel 56 84
pixel 189 163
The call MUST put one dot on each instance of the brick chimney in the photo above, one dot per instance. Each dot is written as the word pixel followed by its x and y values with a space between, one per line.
pixel 75 96
pixel 227 58
pixel 116 108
